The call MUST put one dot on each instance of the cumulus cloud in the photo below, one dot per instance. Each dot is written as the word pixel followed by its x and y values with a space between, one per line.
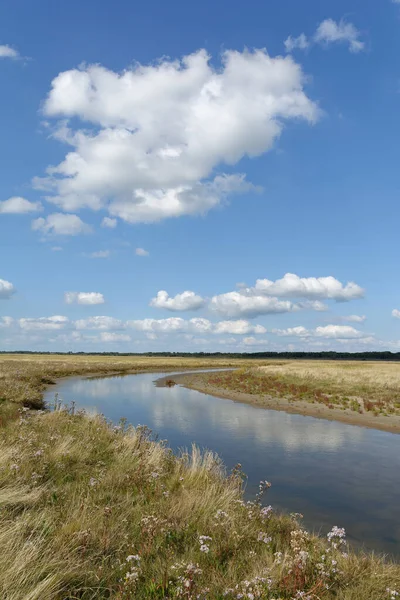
pixel 88 298
pixel 107 336
pixel 337 332
pixel 235 304
pixel 6 289
pixel 60 224
pixel 186 301
pixel 329 32
pixel 395 312
pixel 197 325
pixel 354 318
pixel 293 332
pixel 7 51
pixel 100 323
pixel 153 135
pixel 19 206
pixel 141 252
pixel 109 222
pixel 293 286
pixel 43 323
pixel 6 322
pixel 300 42
pixel 239 327
pixel 56 249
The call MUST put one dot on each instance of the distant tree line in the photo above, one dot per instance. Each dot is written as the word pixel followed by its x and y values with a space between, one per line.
pixel 384 356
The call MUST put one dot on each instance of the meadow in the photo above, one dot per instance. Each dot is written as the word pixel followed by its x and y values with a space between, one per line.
pixel 366 393
pixel 93 510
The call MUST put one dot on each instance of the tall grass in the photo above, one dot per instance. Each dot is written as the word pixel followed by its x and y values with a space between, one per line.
pixel 360 387
pixel 92 511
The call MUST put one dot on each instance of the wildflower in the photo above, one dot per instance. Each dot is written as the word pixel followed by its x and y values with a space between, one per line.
pixel 262 537
pixel 266 512
pixel 133 557
pixel 166 494
pixel 14 467
pixel 93 482
pixel 203 540
pixel 393 594
pixel 38 453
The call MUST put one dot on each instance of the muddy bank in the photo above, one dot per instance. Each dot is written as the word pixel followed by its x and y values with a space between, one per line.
pixel 199 382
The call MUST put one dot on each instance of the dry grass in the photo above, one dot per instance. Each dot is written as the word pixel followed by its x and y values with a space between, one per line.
pixel 91 511
pixel 23 378
pixel 364 387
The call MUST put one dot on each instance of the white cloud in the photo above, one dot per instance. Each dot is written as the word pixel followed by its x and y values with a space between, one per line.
pixel 109 222
pixel 293 286
pixel 300 42
pixel 240 327
pixel 354 318
pixel 186 301
pixel 395 312
pixel 19 206
pixel 106 336
pixel 235 304
pixel 56 249
pixel 89 298
pixel 160 131
pixel 6 289
pixel 330 31
pixel 43 323
pixel 60 224
pixel 293 331
pixel 141 252
pixel 104 323
pixel 6 322
pixel 178 325
pixel 99 254
pixel 7 52
pixel 338 332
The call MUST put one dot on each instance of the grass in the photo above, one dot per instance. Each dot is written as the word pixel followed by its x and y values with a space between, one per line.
pixel 90 511
pixel 361 387
pixel 23 378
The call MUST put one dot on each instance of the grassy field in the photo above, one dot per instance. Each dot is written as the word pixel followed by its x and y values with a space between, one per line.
pixel 362 387
pixel 90 511
pixel 23 378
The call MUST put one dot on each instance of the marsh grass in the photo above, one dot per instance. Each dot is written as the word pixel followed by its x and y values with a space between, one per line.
pixel 92 511
pixel 361 387
pixel 23 378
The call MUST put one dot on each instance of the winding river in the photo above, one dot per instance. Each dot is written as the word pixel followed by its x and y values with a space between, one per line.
pixel 331 472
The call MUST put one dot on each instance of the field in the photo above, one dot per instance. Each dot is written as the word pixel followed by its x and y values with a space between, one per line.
pixel 23 378
pixel 365 393
pixel 95 511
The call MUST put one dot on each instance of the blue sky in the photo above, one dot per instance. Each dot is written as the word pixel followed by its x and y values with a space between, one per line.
pixel 214 176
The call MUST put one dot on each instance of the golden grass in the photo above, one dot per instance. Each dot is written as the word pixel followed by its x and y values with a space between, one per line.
pixel 23 378
pixel 363 387
pixel 91 511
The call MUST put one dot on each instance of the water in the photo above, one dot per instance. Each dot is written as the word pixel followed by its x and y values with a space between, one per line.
pixel 332 473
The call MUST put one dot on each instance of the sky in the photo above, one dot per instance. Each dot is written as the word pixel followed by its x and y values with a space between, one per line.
pixel 215 176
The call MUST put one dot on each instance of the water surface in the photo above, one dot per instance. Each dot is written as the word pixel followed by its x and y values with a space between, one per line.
pixel 331 472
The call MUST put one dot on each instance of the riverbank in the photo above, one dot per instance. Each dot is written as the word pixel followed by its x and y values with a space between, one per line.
pixel 321 405
pixel 95 511
pixel 24 378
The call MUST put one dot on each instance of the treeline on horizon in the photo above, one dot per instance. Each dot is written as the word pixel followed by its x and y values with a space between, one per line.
pixel 386 356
